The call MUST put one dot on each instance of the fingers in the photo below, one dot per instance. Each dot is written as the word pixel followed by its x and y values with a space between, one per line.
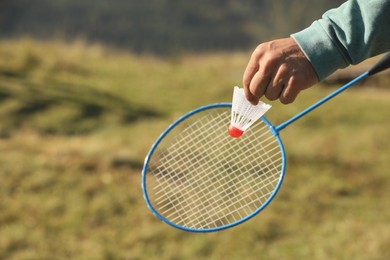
pixel 264 83
pixel 250 71
pixel 282 85
pixel 259 84
pixel 277 84
pixel 278 70
pixel 250 97
pixel 290 91
pixel 257 76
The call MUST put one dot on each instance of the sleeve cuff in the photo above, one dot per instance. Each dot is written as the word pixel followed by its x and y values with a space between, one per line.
pixel 323 54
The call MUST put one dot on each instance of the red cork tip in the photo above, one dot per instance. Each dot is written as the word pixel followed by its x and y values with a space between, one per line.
pixel 235 132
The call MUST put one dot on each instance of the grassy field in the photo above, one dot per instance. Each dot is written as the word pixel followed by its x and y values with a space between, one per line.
pixel 77 121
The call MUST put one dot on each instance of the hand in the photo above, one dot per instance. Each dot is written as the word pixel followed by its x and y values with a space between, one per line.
pixel 279 70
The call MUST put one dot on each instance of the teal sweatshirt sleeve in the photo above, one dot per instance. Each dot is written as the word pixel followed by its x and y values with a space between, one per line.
pixel 349 34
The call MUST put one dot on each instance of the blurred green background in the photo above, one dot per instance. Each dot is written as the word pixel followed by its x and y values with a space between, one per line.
pixel 87 86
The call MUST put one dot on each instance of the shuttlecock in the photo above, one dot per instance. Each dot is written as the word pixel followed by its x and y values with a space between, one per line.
pixel 244 114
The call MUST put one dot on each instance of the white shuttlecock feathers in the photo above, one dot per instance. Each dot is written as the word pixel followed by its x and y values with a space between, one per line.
pixel 244 114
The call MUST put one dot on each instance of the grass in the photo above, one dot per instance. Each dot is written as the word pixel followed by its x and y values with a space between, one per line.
pixel 77 121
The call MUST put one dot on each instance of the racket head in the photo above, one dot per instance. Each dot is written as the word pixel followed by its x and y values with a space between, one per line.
pixel 155 170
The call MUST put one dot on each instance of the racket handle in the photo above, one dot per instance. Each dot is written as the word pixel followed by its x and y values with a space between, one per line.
pixel 381 65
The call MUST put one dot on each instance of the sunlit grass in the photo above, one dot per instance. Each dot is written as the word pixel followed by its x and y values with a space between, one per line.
pixel 78 120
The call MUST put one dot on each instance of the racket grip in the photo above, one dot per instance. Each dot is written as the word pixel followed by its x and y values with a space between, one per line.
pixel 381 65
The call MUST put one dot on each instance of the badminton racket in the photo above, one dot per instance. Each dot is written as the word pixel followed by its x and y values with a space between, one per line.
pixel 197 178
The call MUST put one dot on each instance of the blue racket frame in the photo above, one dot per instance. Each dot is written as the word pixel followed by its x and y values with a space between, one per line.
pixel 381 65
pixel 172 126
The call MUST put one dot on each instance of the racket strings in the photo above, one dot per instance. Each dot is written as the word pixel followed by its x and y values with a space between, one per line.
pixel 232 200
pixel 195 201
pixel 202 178
pixel 187 150
pixel 230 182
pixel 212 204
pixel 207 182
pixel 190 167
pixel 181 165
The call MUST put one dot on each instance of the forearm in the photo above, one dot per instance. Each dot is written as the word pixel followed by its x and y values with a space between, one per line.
pixel 355 31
